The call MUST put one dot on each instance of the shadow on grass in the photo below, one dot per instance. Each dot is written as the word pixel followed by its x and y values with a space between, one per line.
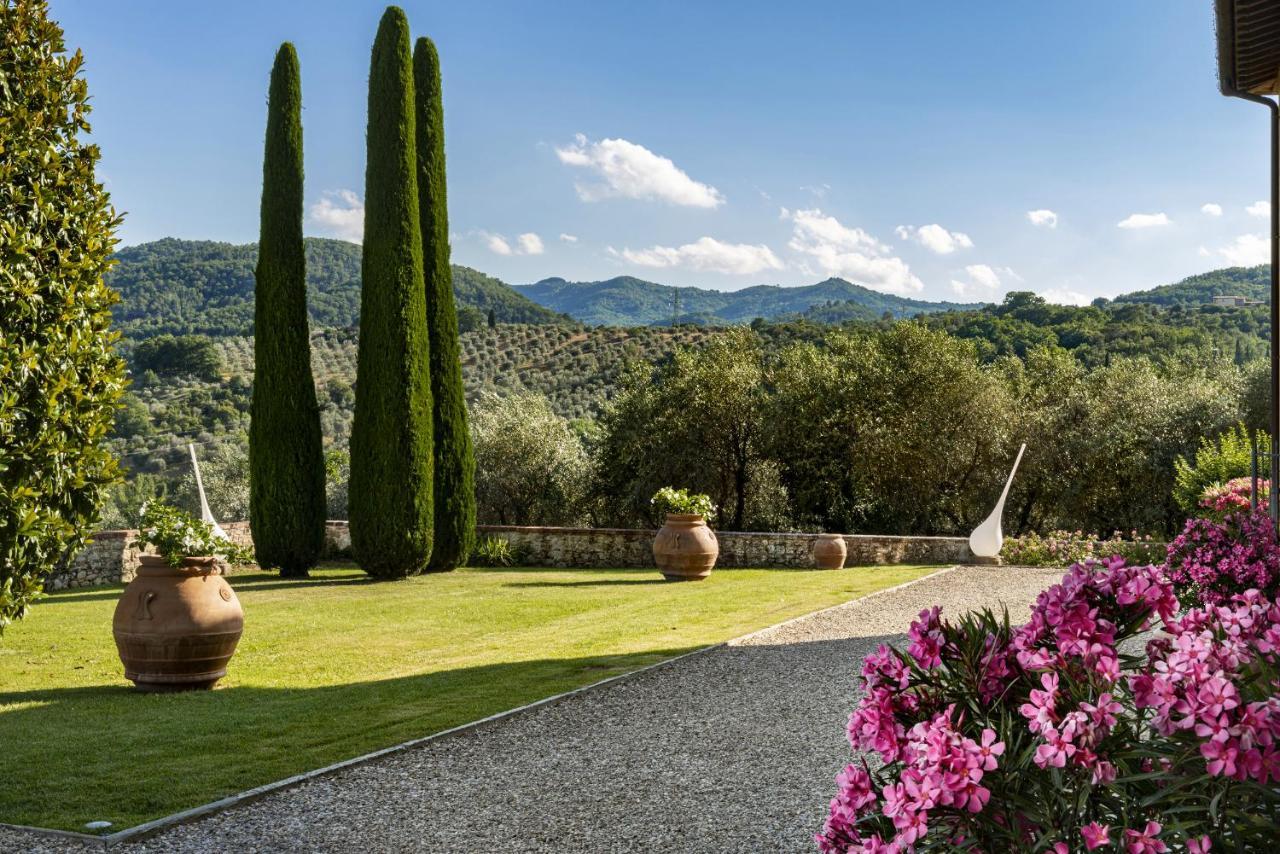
pixel 252 580
pixel 105 752
pixel 604 582
pixel 180 750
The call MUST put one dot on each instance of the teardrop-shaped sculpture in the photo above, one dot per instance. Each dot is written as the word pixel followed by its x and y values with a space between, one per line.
pixel 987 538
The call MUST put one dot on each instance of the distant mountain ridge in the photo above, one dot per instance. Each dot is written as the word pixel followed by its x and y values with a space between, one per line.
pixel 628 301
pixel 206 287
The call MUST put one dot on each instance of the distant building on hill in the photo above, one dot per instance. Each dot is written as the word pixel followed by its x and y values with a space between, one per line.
pixel 1234 301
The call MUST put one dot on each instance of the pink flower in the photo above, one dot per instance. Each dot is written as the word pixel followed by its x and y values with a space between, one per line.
pixel 989 749
pixel 1095 835
pixel 1220 758
pixel 1199 845
pixel 926 638
pixel 1144 841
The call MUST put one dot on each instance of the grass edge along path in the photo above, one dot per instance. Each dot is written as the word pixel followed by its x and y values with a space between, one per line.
pixel 339 666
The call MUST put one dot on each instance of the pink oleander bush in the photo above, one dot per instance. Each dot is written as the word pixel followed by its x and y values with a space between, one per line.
pixel 1220 500
pixel 1212 561
pixel 1063 548
pixel 1059 736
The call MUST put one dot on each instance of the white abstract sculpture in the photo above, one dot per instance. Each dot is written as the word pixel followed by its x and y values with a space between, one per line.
pixel 206 515
pixel 987 538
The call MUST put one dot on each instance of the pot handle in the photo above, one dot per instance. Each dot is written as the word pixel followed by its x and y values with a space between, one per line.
pixel 144 605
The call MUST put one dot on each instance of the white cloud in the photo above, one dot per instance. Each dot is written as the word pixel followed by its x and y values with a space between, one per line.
pixel 935 238
pixel 497 244
pixel 839 250
pixel 569 238
pixel 1065 296
pixel 1043 217
pixel 1247 250
pixel 983 281
pixel 525 244
pixel 708 254
pixel 1141 220
pixel 632 171
pixel 1211 209
pixel 1203 252
pixel 530 244
pixel 1262 208
pixel 339 213
pixel 819 191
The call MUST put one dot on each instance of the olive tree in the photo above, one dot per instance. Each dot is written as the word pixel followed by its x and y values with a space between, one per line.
pixel 531 468
pixel 693 422
pixel 896 431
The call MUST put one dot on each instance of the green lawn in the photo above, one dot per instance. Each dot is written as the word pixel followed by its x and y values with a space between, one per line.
pixel 338 666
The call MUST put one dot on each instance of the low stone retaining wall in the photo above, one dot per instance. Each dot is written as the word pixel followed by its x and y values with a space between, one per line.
pixel 111 557
pixel 623 547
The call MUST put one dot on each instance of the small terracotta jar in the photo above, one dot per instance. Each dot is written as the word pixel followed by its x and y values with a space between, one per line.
pixel 177 627
pixel 830 551
pixel 685 548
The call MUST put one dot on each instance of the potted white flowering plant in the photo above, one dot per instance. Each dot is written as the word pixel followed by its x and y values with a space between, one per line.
pixel 178 622
pixel 685 548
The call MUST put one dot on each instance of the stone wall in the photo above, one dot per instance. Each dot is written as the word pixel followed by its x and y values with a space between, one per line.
pixel 624 547
pixel 111 557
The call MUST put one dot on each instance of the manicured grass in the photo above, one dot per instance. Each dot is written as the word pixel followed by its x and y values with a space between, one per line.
pixel 338 666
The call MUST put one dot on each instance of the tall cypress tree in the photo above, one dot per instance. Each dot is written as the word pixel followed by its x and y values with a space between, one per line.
pixel 455 493
pixel 286 460
pixel 390 490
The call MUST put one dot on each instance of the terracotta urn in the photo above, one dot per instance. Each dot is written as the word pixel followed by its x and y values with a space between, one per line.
pixel 829 551
pixel 177 627
pixel 685 548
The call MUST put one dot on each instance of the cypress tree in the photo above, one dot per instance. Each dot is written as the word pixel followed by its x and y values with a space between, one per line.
pixel 286 460
pixel 455 494
pixel 390 490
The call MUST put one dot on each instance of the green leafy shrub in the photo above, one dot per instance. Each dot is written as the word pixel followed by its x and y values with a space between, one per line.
pixel 1217 461
pixel 176 534
pixel 672 500
pixel 493 551
pixel 60 377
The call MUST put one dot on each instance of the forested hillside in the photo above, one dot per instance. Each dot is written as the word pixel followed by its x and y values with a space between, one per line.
pixel 1251 282
pixel 205 287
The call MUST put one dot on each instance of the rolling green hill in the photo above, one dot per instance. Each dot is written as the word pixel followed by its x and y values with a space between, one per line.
pixel 1251 282
pixel 205 287
pixel 628 301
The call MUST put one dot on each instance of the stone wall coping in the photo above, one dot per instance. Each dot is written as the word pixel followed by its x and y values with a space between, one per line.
pixel 114 534
pixel 650 531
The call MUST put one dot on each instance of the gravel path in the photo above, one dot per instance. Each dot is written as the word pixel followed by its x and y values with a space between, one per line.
pixel 735 750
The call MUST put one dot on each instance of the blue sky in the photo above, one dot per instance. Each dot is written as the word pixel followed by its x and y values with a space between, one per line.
pixel 722 144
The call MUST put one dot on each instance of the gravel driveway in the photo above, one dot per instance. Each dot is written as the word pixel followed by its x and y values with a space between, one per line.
pixel 734 750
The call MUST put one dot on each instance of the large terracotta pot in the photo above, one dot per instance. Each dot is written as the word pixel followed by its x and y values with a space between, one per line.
pixel 177 627
pixel 829 551
pixel 685 548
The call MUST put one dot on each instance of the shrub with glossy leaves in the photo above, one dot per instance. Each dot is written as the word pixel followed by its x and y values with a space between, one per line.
pixel 60 377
